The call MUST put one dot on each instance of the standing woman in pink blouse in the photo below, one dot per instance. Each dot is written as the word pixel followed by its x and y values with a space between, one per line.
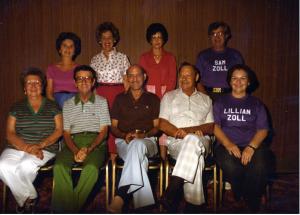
pixel 159 64
pixel 110 66
pixel 60 83
pixel 160 67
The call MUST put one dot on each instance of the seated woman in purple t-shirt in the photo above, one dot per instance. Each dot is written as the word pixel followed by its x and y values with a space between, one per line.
pixel 241 125
pixel 60 83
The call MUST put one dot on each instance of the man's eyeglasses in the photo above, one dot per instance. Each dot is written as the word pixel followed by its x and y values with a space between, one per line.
pixel 217 34
pixel 82 79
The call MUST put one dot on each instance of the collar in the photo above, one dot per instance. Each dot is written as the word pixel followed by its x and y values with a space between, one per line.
pixel 194 93
pixel 77 99
pixel 112 52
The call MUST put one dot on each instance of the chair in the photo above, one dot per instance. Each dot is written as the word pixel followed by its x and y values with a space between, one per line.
pixel 170 163
pixel 154 164
pixel 49 166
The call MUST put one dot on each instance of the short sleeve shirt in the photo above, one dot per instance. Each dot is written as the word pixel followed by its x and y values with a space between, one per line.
pixel 90 116
pixel 110 70
pixel 240 118
pixel 182 110
pixel 133 114
pixel 34 127
pixel 213 66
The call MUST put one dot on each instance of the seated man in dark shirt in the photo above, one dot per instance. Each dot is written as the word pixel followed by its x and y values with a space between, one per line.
pixel 134 124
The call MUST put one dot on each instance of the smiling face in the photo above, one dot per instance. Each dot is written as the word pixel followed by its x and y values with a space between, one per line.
pixel 239 82
pixel 33 86
pixel 217 39
pixel 187 79
pixel 84 82
pixel 67 48
pixel 107 41
pixel 135 78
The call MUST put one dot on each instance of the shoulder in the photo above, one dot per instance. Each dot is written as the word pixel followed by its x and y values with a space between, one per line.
pixel 120 54
pixel 19 105
pixel 233 51
pixel 145 54
pixel 204 52
pixel 205 98
pixel 100 99
pixel 168 54
pixel 152 97
pixel 95 57
pixel 170 95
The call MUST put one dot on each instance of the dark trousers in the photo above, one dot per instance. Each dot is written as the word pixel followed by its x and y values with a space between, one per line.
pixel 247 181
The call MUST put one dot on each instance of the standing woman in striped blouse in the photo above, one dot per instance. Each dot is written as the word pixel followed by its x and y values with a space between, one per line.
pixel 33 127
pixel 110 66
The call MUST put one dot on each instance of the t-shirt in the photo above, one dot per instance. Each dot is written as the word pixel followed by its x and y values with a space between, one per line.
pixel 133 114
pixel 240 118
pixel 34 127
pixel 162 75
pixel 213 66
pixel 62 80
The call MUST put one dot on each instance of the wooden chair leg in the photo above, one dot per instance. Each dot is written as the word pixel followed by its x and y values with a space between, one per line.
pixel 107 184
pixel 215 188
pixel 167 173
pixel 113 186
pixel 4 198
pixel 220 187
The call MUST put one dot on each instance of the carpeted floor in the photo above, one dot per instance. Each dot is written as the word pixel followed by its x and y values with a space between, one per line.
pixel 284 198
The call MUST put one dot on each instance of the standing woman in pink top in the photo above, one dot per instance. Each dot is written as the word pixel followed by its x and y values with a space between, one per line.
pixel 160 67
pixel 60 83
pixel 159 64
pixel 110 66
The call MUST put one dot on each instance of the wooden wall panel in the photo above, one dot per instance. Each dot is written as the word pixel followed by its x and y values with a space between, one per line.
pixel 265 31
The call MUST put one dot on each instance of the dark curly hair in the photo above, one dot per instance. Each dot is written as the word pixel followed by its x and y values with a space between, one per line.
pixel 155 28
pixel 71 36
pixel 37 72
pixel 86 68
pixel 107 26
pixel 253 81
pixel 216 25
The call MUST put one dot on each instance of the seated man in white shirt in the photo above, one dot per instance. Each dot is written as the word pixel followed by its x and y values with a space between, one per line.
pixel 182 112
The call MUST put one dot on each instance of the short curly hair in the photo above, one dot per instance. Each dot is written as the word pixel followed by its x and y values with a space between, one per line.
pixel 107 26
pixel 155 28
pixel 252 78
pixel 36 72
pixel 216 25
pixel 71 36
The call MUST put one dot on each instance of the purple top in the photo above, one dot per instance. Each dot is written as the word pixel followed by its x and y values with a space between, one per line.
pixel 213 66
pixel 240 118
pixel 62 80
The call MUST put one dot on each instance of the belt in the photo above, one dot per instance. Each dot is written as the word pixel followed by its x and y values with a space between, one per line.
pixel 217 89
pixel 86 133
pixel 110 84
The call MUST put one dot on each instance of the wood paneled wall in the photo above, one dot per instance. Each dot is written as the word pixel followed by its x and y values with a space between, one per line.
pixel 265 31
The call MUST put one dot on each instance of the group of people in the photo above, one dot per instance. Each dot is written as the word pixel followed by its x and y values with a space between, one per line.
pixel 112 105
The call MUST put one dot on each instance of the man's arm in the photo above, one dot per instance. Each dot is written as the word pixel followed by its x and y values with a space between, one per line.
pixel 154 130
pixel 207 128
pixel 69 142
pixel 100 137
pixel 116 131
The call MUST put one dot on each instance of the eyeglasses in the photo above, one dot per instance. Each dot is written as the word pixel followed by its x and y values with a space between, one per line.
pixel 217 34
pixel 82 79
pixel 33 82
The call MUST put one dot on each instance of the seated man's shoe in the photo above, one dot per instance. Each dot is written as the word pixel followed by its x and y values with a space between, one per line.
pixel 20 210
pixel 116 206
pixel 168 206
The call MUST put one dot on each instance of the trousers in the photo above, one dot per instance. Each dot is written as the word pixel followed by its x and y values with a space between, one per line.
pixel 65 198
pixel 18 171
pixel 189 155
pixel 135 156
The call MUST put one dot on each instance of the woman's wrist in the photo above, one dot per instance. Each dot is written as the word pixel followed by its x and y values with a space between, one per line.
pixel 252 147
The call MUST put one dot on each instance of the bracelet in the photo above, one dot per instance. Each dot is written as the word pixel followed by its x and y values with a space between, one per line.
pixel 252 147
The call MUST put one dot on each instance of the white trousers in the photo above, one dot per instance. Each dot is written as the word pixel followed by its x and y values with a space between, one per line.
pixel 18 170
pixel 189 155
pixel 135 156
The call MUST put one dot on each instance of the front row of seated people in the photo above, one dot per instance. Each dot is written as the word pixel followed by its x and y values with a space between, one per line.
pixel 35 124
